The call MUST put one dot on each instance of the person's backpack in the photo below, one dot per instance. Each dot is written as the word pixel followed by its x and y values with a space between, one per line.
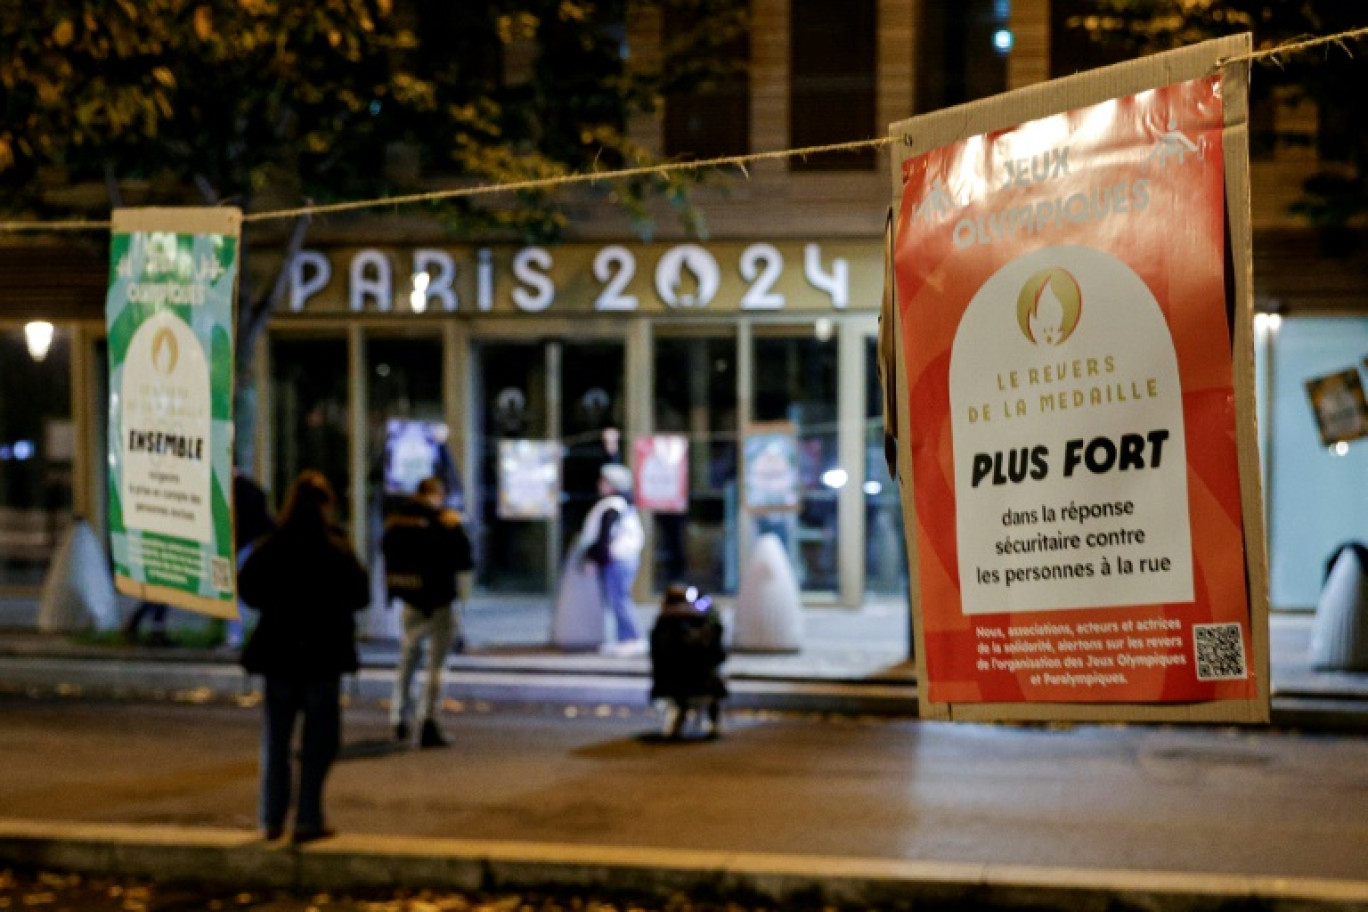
pixel 422 558
pixel 620 535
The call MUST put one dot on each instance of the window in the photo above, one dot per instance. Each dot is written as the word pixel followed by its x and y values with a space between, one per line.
pixel 962 50
pixel 36 455
pixel 796 385
pixel 1315 494
pixel 695 395
pixel 707 114
pixel 832 94
pixel 885 539
pixel 310 401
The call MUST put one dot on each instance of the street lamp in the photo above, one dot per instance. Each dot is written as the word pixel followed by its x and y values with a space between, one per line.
pixel 38 336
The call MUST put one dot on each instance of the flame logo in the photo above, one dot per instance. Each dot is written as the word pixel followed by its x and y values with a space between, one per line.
pixel 1049 306
pixel 687 276
pixel 165 351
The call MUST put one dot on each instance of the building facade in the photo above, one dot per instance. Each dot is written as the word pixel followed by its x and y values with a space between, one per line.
pixel 598 343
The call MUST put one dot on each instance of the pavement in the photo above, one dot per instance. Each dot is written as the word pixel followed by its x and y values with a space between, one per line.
pixel 854 665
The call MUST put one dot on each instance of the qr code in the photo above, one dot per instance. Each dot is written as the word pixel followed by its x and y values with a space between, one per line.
pixel 221 573
pixel 1220 652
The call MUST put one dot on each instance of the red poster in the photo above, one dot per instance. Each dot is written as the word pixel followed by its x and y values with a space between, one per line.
pixel 662 479
pixel 1062 294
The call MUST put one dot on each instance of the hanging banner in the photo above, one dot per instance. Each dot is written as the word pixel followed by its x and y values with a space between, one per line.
pixel 169 314
pixel 773 484
pixel 1081 504
pixel 1340 407
pixel 662 476
pixel 529 479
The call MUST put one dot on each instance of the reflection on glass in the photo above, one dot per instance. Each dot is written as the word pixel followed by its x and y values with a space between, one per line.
pixel 406 438
pixel 510 394
pixel 36 453
pixel 695 395
pixel 796 383
pixel 309 397
pixel 885 544
pixel 591 423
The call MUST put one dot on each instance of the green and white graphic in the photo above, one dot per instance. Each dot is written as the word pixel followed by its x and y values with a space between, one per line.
pixel 169 312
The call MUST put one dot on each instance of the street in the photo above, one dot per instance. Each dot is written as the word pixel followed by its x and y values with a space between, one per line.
pixel 1137 798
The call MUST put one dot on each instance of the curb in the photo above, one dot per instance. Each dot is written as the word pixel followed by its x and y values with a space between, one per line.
pixel 240 858
pixel 162 678
pixel 159 678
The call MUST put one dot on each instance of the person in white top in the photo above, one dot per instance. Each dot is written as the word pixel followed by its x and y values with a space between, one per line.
pixel 611 540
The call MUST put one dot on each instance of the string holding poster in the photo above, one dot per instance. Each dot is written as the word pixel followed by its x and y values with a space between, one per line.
pixel 1078 502
pixel 169 313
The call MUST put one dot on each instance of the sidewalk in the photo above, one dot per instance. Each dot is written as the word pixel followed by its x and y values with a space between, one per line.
pixel 853 661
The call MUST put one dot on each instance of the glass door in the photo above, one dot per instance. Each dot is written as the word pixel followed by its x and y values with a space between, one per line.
pixel 406 441
pixel 566 393
pixel 795 387
pixel 309 386
pixel 695 396
pixel 511 402
pixel 885 542
pixel 592 416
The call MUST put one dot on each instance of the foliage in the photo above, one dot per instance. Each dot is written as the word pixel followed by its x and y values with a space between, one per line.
pixel 1325 76
pixel 248 99
pixel 273 104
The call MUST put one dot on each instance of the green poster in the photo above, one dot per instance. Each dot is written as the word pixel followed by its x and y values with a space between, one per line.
pixel 169 312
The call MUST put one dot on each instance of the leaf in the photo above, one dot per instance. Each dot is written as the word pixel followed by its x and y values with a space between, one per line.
pixel 64 33
pixel 164 76
pixel 204 22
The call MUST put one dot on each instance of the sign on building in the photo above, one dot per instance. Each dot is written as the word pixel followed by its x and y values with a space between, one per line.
pixel 662 476
pixel 1078 447
pixel 529 479
pixel 169 314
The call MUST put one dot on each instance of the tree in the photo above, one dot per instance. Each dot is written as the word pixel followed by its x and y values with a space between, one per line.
pixel 1338 193
pixel 270 104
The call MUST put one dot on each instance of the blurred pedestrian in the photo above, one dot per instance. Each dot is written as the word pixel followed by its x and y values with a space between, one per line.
pixel 252 520
pixel 425 547
pixel 612 538
pixel 307 584
pixel 686 660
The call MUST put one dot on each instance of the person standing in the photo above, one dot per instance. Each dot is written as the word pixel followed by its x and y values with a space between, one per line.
pixel 425 547
pixel 307 584
pixel 612 538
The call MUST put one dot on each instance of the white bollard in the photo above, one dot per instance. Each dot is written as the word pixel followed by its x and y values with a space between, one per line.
pixel 78 592
pixel 577 621
pixel 1339 633
pixel 769 608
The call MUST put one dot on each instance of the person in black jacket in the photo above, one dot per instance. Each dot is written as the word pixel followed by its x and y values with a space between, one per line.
pixel 686 658
pixel 425 548
pixel 307 584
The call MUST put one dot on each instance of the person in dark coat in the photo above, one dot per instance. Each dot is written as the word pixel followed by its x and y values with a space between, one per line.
pixel 307 585
pixel 425 548
pixel 686 660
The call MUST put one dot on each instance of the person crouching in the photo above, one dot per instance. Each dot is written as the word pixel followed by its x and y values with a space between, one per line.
pixel 686 660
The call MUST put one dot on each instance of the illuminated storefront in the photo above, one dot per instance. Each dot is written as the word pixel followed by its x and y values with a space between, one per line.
pixel 570 344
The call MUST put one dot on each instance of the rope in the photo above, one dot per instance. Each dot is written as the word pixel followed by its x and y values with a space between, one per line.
pixel 590 177
pixel 1299 45
pixel 544 183
pixel 739 162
